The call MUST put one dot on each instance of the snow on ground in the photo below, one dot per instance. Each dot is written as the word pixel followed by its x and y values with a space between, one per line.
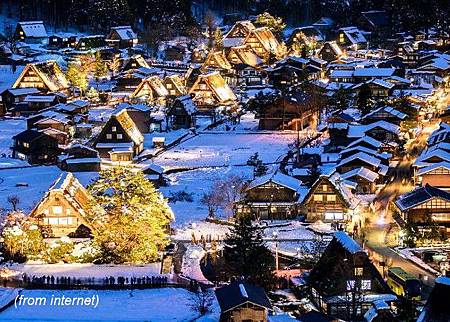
pixel 8 76
pixel 7 295
pixel 8 128
pixel 201 228
pixel 165 304
pixel 191 263
pixel 223 149
pixel 196 183
pixel 31 183
pixel 248 123
pixel 87 270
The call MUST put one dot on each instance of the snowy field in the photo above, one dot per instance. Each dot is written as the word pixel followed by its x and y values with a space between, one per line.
pixel 166 304
pixel 31 183
pixel 196 183
pixel 8 76
pixel 9 128
pixel 225 148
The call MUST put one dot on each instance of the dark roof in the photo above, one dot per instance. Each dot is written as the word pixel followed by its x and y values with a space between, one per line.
pixel 314 316
pixel 436 309
pixel 421 195
pixel 28 135
pixel 236 294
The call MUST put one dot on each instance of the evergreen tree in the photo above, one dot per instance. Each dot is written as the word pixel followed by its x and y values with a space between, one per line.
pixel 133 227
pixel 246 256
pixel 107 13
pixel 341 99
pixel 218 39
pixel 275 24
pixel 364 100
pixel 100 67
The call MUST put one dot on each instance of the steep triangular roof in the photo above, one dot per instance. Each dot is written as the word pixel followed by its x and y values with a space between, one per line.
pixel 50 74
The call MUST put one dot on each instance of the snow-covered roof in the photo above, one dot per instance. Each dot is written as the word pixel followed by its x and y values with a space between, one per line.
pixel 341 73
pixel 23 91
pixel 354 35
pixel 362 172
pixel 363 157
pixel 347 242
pixel 188 104
pixel 357 131
pixel 125 32
pixel 419 196
pixel 366 139
pixel 373 72
pixel 278 178
pixel 434 153
pixel 33 29
pixel 381 83
pixel 39 98
pixel 389 110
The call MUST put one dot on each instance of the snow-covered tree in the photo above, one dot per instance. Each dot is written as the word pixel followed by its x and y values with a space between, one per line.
pixel 275 24
pixel 218 39
pixel 133 227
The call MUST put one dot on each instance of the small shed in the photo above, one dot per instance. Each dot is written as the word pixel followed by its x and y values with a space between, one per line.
pixel 241 301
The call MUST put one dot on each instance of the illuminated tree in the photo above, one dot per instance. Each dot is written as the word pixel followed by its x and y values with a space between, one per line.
pixel 100 68
pixel 77 76
pixel 133 226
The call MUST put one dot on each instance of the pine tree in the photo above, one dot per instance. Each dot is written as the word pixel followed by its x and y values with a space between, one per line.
pixel 246 256
pixel 275 24
pixel 133 227
pixel 364 100
pixel 218 39
pixel 100 69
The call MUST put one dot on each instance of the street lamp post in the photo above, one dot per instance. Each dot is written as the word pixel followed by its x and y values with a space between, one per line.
pixel 275 237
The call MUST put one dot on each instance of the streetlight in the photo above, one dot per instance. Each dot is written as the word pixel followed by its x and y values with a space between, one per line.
pixel 275 237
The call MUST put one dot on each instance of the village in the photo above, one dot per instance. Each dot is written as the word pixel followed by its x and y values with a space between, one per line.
pixel 247 170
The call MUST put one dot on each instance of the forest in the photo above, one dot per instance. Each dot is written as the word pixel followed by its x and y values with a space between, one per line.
pixel 99 15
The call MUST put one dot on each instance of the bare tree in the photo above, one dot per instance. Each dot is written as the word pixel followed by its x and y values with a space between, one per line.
pixel 14 201
pixel 213 201
pixel 202 301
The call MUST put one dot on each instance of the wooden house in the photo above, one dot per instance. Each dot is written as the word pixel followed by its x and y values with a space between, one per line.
pixel 35 147
pixel 175 53
pixel 426 206
pixel 79 158
pixel 364 178
pixel 13 96
pixel 56 41
pixel 134 62
pixel 35 103
pixel 272 196
pixel 387 113
pixel 120 139
pixel 377 23
pixel 330 51
pixel 216 60
pixel 63 209
pixel 325 25
pixel 434 174
pixel 182 112
pixel 351 37
pixel 151 90
pixel 154 173
pixel 56 122
pixel 141 114
pixel 264 44
pixel 244 55
pixel 45 76
pixel 122 37
pixel 344 283
pixel 211 90
pixel 31 31
pixel 291 112
pixel 174 85
pixel 242 302
pixel 436 309
pixel 237 34
pixel 91 42
pixel 330 199
pixel 305 37
pixel 362 159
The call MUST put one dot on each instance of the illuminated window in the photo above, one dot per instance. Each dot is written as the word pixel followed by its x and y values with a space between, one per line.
pixel 359 271
pixel 331 197
pixel 341 38
pixel 119 136
pixel 114 129
pixel 350 285
pixel 324 187
pixel 318 198
pixel 109 136
pixel 57 210
pixel 366 285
